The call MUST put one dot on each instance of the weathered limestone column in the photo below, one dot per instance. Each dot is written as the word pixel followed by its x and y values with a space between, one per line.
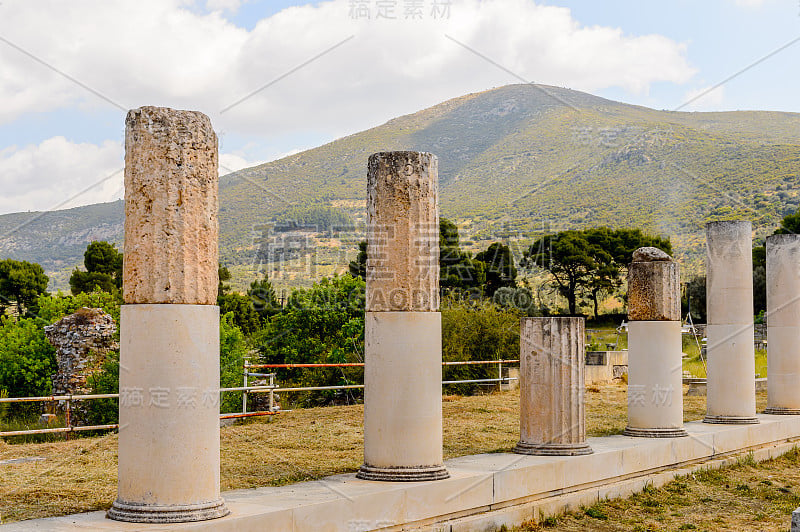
pixel 403 329
pixel 655 386
pixel 783 324
pixel 729 298
pixel 169 344
pixel 552 353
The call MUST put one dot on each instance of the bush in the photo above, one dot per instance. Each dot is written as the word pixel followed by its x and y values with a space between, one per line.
pixel 27 360
pixel 232 350
pixel 322 324
pixel 481 331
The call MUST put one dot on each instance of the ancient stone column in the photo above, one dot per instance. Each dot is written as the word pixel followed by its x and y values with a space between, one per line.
pixel 552 354
pixel 783 324
pixel 729 309
pixel 403 329
pixel 169 331
pixel 655 392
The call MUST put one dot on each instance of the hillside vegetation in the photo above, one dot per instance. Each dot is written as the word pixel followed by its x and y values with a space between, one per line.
pixel 515 162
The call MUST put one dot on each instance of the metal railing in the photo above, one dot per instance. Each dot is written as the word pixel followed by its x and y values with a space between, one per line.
pixel 270 388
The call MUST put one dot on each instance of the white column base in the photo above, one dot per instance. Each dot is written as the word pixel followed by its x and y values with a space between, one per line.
pixel 655 387
pixel 169 415
pixel 731 395
pixel 783 368
pixel 403 397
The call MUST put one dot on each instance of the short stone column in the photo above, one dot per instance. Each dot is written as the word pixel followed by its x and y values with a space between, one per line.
pixel 169 326
pixel 731 396
pixel 783 324
pixel 552 353
pixel 655 385
pixel 403 328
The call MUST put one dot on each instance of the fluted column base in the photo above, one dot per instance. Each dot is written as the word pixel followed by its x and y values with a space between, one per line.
pixel 553 449
pixel 146 513
pixel 731 420
pixel 403 474
pixel 655 432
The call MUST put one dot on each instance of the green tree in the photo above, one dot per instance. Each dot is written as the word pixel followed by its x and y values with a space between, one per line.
pixel 458 271
pixel 262 297
pixel 22 282
pixel 103 265
pixel 589 262
pixel 224 275
pixel 27 360
pixel 232 350
pixel 789 225
pixel 499 268
pixel 612 250
pixel 321 324
pixel 565 256
pixel 480 331
pixel 694 300
pixel 759 279
pixel 358 267
pixel 244 314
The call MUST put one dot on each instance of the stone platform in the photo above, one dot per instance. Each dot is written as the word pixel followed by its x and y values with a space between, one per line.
pixel 484 491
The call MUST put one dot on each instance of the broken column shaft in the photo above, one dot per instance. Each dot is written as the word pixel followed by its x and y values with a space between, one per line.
pixel 552 411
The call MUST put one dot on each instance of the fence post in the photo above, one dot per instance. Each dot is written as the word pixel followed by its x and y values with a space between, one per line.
pixel 272 392
pixel 68 417
pixel 244 392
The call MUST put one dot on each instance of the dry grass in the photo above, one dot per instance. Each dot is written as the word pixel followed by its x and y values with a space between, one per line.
pixel 744 497
pixel 80 475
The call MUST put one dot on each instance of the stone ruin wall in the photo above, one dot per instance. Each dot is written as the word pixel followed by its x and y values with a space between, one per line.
pixel 82 341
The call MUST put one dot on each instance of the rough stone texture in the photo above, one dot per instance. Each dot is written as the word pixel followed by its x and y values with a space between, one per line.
pixel 729 273
pixel 403 232
pixel 171 226
pixel 650 254
pixel 82 341
pixel 552 412
pixel 654 287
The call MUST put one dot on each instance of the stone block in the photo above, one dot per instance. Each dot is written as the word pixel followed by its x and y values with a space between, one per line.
pixel 403 232
pixel 654 291
pixel 171 226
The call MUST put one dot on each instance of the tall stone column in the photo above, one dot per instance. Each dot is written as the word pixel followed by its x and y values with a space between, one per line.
pixel 403 329
pixel 729 310
pixel 783 324
pixel 552 412
pixel 169 332
pixel 655 386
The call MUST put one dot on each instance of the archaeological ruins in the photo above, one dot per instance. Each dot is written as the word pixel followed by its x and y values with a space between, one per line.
pixel 169 446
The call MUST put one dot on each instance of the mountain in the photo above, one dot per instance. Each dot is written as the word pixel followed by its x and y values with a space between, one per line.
pixel 513 162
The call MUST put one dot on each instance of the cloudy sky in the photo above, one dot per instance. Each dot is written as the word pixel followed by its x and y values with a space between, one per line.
pixel 278 76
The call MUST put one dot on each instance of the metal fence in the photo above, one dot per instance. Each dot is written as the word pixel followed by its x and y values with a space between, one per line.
pixel 270 388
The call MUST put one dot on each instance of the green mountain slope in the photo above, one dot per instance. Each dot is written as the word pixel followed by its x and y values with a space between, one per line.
pixel 514 161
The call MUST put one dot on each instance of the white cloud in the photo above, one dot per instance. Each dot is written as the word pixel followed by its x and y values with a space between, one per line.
pixel 705 99
pixel 160 52
pixel 168 52
pixel 48 175
pixel 231 162
pixel 750 3
pixel 223 5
